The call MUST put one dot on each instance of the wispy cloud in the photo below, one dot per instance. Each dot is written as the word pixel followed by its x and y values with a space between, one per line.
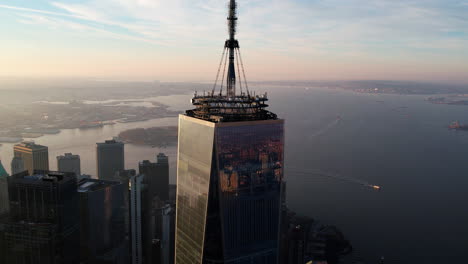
pixel 296 30
pixel 280 24
pixel 31 10
pixel 58 23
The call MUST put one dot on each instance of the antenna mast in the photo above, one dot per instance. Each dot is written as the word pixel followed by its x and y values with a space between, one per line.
pixel 232 44
pixel 231 107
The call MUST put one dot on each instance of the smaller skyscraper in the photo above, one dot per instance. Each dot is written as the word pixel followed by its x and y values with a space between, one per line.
pixel 17 165
pixel 136 193
pixel 35 157
pixel 164 234
pixel 69 163
pixel 102 222
pixel 156 176
pixel 43 223
pixel 124 177
pixel 110 158
pixel 156 192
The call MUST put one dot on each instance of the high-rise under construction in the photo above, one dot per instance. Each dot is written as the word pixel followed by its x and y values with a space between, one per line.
pixel 230 170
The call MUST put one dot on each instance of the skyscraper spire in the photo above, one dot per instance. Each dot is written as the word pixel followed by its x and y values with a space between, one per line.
pixel 232 44
pixel 231 106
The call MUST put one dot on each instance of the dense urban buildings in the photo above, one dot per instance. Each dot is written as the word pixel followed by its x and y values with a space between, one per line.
pixel 43 224
pixel 229 173
pixel 69 163
pixel 102 222
pixel 34 157
pixel 110 158
pixel 17 165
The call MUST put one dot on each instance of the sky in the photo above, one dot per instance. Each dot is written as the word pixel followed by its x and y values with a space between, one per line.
pixel 182 40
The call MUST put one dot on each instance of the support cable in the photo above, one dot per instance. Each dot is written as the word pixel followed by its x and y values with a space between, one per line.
pixel 243 72
pixel 224 74
pixel 217 74
pixel 238 69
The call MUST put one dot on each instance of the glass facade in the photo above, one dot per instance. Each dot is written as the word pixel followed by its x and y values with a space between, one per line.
pixel 250 171
pixel 34 157
pixel 196 139
pixel 102 221
pixel 238 205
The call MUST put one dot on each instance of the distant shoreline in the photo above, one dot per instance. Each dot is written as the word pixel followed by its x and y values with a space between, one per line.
pixel 154 136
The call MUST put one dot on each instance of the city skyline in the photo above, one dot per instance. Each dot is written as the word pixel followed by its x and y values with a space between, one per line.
pixel 344 130
pixel 177 40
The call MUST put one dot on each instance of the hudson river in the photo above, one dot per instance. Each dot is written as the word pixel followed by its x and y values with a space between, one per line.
pixel 398 142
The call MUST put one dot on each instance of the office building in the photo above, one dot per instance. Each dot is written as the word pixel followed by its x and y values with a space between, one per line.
pixel 35 157
pixel 102 222
pixel 156 183
pixel 229 173
pixel 136 193
pixel 110 159
pixel 156 176
pixel 17 165
pixel 43 223
pixel 164 235
pixel 227 203
pixel 69 163
pixel 124 176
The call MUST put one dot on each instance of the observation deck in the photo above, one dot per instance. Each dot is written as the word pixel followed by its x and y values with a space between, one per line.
pixel 221 108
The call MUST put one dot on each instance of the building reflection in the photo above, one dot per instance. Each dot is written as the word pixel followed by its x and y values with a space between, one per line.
pixel 229 198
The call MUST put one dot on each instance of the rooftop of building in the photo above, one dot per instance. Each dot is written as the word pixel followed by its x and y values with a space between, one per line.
pixel 92 185
pixel 68 156
pixel 44 176
pixel 30 145
pixel 110 142
pixel 161 158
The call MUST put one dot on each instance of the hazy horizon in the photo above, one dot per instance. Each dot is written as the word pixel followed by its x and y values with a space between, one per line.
pixel 96 80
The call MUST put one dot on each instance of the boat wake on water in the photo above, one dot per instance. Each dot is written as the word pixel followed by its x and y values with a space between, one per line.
pixel 326 128
pixel 335 176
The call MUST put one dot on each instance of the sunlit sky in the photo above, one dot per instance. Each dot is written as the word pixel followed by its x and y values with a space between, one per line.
pixel 182 40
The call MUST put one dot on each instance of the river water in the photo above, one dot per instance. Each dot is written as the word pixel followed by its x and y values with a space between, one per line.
pixel 398 142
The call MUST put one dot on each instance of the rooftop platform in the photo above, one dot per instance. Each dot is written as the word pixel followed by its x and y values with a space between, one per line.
pixel 222 108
